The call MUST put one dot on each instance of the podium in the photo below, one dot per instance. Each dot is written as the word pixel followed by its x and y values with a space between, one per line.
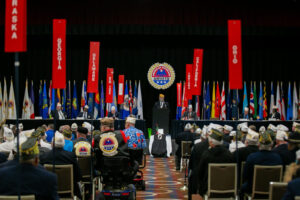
pixel 160 119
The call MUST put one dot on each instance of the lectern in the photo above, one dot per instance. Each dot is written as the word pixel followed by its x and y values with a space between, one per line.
pixel 160 119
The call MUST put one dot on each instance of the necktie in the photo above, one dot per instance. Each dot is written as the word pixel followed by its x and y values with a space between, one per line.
pixel 161 104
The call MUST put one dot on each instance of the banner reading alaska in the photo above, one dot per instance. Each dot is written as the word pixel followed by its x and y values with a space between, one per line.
pixel 161 75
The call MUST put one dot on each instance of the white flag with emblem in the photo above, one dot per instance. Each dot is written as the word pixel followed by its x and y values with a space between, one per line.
pixel 26 104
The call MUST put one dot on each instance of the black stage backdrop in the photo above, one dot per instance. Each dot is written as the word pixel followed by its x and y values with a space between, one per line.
pixel 135 34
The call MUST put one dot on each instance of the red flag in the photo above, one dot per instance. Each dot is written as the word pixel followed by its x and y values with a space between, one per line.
pixel 121 89
pixel 59 54
pixel 218 101
pixel 188 81
pixel 179 94
pixel 184 100
pixel 15 26
pixel 109 85
pixel 235 54
pixel 197 71
pixel 93 75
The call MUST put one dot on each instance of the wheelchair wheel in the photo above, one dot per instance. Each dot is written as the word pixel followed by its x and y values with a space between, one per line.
pixel 143 185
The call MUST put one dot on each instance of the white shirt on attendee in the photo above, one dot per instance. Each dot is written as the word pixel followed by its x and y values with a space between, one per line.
pixel 7 146
pixel 232 146
pixel 45 144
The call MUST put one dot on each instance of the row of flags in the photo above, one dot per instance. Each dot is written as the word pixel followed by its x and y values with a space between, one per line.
pixel 48 97
pixel 224 105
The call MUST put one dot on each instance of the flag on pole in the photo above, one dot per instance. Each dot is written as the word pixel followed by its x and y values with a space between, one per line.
pixel 245 97
pixel 125 108
pixel 255 101
pixel 102 102
pixel 261 102
pixel 96 105
pixel 130 98
pixel 83 101
pixel 207 102
pixel 218 102
pixel 68 104
pixel 272 100
pixel 140 113
pixel 295 102
pixel 289 113
pixel 134 100
pixel 91 104
pixel 58 96
pixel 265 111
pixel 64 100
pixel 213 106
pixel 32 115
pixel 283 117
pixel 26 103
pixel 228 104
pixel 53 101
pixel 197 110
pixel 223 104
pixel 115 101
pixel 11 103
pixel 203 100
pixel 74 102
pixel 278 100
pixel 41 98
pixel 5 100
pixel 45 103
pixel 1 103
pixel 50 99
pixel 184 100
pixel 251 101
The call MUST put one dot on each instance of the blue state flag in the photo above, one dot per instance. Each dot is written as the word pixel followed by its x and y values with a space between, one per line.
pixel 74 102
pixel 64 101
pixel 41 98
pixel 125 106
pixel 68 101
pixel 208 102
pixel 245 97
pixel 289 114
pixel 261 102
pixel 102 102
pixel 91 104
pixel 134 106
pixel 45 103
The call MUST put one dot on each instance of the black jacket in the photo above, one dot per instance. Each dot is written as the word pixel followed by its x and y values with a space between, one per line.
pixel 218 154
pixel 276 115
pixel 32 180
pixel 184 136
pixel 165 105
pixel 88 115
pixel 116 115
pixel 55 115
pixel 287 156
pixel 244 152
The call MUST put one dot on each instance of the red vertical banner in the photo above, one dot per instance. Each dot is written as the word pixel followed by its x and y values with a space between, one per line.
pixel 235 54
pixel 93 74
pixel 179 86
pixel 197 71
pixel 109 85
pixel 121 89
pixel 188 81
pixel 15 26
pixel 59 54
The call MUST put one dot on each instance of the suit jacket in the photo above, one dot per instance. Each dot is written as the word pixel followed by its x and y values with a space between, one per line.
pixel 88 115
pixel 275 116
pixel 287 156
pixel 292 190
pixel 63 157
pixel 188 115
pixel 3 158
pixel 165 105
pixel 111 115
pixel 34 180
pixel 55 114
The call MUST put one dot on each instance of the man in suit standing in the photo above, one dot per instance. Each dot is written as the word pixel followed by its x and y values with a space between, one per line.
pixel 58 113
pixel 161 104
pixel 189 114
pixel 34 179
pixel 85 114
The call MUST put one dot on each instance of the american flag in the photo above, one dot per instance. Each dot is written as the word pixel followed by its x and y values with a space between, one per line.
pixel 252 112
pixel 223 104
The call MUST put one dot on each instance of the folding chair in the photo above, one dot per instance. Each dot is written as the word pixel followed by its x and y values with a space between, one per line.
pixel 277 190
pixel 263 175
pixel 185 153
pixel 15 197
pixel 222 181
pixel 242 172
pixel 65 180
pixel 297 198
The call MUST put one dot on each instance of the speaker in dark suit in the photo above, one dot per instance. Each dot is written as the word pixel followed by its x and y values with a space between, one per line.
pixel 160 114
pixel 161 104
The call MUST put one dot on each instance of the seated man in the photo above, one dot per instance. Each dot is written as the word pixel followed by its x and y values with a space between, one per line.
pixel 85 114
pixel 30 178
pixel 236 141
pixel 68 142
pixel 275 115
pixel 263 157
pixel 81 135
pixel 9 143
pixel 113 113
pixel 58 113
pixel 216 153
pixel 189 114
pixel 50 132
pixel 63 157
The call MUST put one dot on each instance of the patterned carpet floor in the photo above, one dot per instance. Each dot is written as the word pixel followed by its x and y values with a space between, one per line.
pixel 162 180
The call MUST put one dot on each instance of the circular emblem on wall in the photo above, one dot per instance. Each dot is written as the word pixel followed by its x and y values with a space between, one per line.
pixel 161 75
pixel 108 144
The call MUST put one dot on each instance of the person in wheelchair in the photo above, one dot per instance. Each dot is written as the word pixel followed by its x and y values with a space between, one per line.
pixel 113 160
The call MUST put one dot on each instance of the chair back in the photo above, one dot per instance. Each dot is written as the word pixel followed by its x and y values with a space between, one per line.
pixel 15 197
pixel 65 178
pixel 262 177
pixel 85 165
pixel 242 172
pixel 222 179
pixel 186 149
pixel 277 190
pixel 297 197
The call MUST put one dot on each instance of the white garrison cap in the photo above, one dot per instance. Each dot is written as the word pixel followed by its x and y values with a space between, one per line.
pixel 295 124
pixel 228 128
pixel 282 127
pixel 244 124
pixel 252 135
pixel 59 139
pixel 74 126
pixel 89 126
pixel 232 133
pixel 281 135
pixel 272 127
pixel 130 120
pixel 198 130
pixel 188 126
pixel 262 129
pixel 298 154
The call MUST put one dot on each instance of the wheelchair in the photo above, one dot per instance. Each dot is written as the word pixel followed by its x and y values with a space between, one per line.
pixel 117 176
pixel 140 157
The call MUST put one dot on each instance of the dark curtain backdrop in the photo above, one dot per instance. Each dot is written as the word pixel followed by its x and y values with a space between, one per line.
pixel 136 34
